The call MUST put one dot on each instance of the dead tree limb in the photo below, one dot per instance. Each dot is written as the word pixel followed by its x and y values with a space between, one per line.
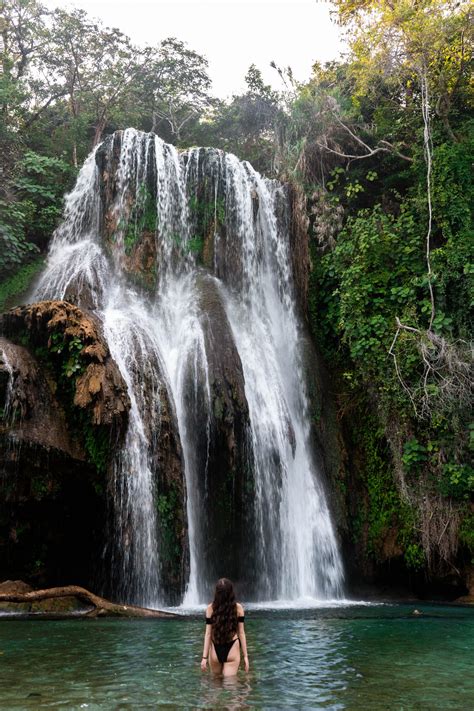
pixel 382 146
pixel 100 605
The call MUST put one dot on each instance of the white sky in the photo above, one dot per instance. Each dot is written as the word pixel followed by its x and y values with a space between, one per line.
pixel 232 35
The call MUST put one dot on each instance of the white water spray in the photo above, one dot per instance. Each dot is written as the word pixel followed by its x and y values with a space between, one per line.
pixel 158 342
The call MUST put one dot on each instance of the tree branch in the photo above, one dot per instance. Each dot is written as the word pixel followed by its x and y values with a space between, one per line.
pixel 101 606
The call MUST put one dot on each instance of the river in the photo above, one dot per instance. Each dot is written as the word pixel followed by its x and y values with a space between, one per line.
pixel 355 657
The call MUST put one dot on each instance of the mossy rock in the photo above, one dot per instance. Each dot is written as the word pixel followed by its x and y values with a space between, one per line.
pixel 59 605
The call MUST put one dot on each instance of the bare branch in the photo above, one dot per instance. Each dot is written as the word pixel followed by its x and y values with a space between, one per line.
pixel 382 146
pixel 101 605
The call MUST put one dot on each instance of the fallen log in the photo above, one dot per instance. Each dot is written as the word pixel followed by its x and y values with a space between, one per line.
pixel 101 606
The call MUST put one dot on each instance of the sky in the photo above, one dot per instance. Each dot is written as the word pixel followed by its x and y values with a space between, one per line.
pixel 231 35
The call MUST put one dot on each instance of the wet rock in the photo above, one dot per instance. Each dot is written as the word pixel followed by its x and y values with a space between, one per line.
pixel 170 500
pixel 15 586
pixel 59 605
pixel 64 406
pixel 469 578
pixel 220 445
pixel 69 340
pixel 33 412
pixel 130 232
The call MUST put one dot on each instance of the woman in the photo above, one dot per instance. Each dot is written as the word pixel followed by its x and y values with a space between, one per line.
pixel 224 626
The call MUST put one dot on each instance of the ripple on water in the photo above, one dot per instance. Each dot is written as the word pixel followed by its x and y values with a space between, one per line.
pixel 354 658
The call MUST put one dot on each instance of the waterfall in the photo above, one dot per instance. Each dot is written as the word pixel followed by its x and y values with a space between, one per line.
pixel 185 259
pixel 292 512
pixel 7 367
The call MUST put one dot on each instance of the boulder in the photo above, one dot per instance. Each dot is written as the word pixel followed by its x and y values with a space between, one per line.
pixel 65 406
pixel 15 587
pixel 69 343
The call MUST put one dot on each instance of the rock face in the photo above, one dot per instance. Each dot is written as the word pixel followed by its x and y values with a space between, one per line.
pixel 206 241
pixel 34 413
pixel 170 495
pixel 220 444
pixel 15 586
pixel 72 341
pixel 64 406
pixel 132 229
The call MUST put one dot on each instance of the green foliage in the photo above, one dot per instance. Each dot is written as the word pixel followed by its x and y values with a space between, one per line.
pixel 466 531
pixel 167 505
pixel 207 211
pixel 377 263
pixel 414 454
pixel 457 481
pixel 41 184
pixel 414 557
pixel 71 364
pixel 195 245
pixel 381 509
pixel 16 285
pixel 15 248
pixel 43 486
pixel 369 222
pixel 207 215
pixel 28 220
pixel 143 218
pixel 97 444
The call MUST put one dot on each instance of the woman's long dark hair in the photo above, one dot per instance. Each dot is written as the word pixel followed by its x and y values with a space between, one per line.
pixel 224 612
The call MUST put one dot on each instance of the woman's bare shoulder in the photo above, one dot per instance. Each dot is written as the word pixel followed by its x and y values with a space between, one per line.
pixel 209 610
pixel 240 610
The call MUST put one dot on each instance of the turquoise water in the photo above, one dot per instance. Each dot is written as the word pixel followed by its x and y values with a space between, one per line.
pixel 361 657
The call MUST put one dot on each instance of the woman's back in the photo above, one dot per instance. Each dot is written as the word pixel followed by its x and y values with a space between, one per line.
pixel 224 626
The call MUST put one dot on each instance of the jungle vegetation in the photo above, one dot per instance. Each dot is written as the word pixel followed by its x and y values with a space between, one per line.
pixel 378 147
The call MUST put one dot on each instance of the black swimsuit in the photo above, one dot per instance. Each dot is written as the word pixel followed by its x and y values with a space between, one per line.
pixel 223 648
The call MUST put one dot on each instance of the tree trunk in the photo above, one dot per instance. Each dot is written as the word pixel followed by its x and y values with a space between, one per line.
pixel 100 605
pixel 99 130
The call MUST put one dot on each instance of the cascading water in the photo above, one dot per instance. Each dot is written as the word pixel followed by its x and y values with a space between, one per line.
pixel 301 558
pixel 8 410
pixel 185 259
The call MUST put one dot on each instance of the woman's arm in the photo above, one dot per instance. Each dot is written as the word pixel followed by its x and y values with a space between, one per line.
pixel 242 637
pixel 207 640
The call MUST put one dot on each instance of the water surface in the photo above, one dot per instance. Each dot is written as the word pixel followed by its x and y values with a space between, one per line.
pixel 358 658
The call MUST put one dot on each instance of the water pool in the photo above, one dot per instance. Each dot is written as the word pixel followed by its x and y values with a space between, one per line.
pixel 357 658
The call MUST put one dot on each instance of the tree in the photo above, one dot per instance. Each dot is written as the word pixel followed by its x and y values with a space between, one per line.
pixel 246 126
pixel 93 66
pixel 411 41
pixel 172 89
pixel 21 28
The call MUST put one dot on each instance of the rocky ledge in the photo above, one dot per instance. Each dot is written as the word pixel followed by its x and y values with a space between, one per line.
pixel 63 411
